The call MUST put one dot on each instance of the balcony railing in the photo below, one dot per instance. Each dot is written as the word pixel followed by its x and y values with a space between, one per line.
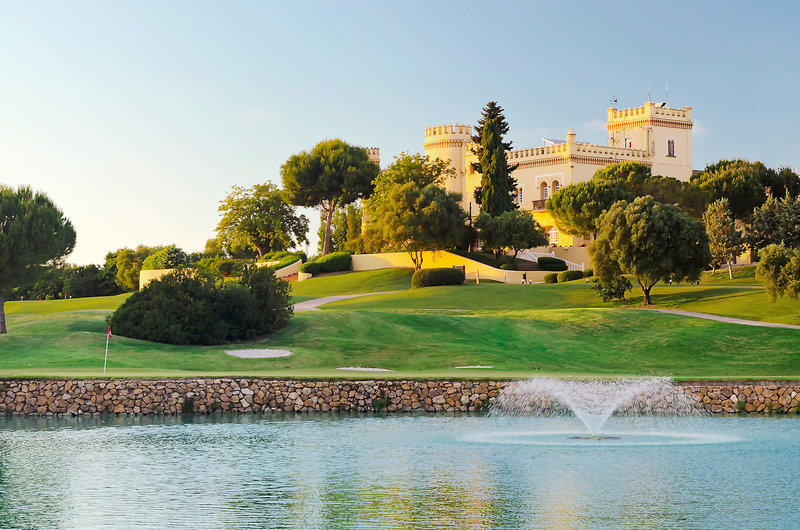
pixel 539 205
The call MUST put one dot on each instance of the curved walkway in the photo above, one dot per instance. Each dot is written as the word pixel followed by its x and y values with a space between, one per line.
pixel 313 305
pixel 718 318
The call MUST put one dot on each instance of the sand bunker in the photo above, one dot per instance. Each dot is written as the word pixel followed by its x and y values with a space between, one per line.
pixel 258 354
pixel 362 369
pixel 475 366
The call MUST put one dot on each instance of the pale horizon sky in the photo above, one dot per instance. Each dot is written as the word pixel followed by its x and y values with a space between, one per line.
pixel 137 118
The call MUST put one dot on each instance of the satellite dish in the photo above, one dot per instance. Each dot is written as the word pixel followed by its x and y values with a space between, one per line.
pixel 662 104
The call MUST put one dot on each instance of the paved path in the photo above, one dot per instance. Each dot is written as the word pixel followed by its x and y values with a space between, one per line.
pixel 729 320
pixel 313 305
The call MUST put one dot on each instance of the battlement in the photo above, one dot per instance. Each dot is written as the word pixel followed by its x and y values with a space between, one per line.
pixel 577 148
pixel 649 111
pixel 448 132
pixel 374 154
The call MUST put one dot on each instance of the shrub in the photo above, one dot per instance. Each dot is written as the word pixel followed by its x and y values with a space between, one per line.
pixel 183 309
pixel 170 257
pixel 612 288
pixel 333 262
pixel 588 273
pixel 282 255
pixel 551 264
pixel 551 278
pixel 568 276
pixel 509 266
pixel 433 277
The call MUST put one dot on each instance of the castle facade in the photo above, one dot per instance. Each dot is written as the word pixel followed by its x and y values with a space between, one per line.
pixel 653 134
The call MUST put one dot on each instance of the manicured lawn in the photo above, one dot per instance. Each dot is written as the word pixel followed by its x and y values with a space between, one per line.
pixel 520 330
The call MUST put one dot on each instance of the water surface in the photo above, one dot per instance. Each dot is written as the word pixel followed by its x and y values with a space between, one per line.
pixel 467 471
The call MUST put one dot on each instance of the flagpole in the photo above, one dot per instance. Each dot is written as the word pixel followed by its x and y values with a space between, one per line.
pixel 106 359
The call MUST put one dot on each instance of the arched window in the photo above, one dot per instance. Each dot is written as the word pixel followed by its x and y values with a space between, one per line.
pixel 670 147
pixel 545 191
pixel 518 197
pixel 555 186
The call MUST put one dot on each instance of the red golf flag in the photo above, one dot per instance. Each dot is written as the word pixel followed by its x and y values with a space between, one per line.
pixel 109 332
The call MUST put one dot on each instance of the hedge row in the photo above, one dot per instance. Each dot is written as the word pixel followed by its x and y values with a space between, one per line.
pixel 334 262
pixel 551 278
pixel 568 276
pixel 283 254
pixel 551 264
pixel 433 277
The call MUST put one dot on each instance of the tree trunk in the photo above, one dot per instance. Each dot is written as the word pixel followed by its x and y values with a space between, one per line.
pixel 730 270
pixel 2 315
pixel 646 293
pixel 326 247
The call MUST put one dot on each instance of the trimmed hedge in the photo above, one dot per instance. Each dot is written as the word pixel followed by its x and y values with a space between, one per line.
pixel 509 266
pixel 568 276
pixel 550 278
pixel 282 254
pixel 433 277
pixel 588 273
pixel 551 264
pixel 333 262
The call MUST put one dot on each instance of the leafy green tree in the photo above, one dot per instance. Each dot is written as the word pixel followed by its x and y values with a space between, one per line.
pixel 612 288
pixel 632 175
pixel 651 241
pixel 775 222
pixel 33 231
pixel 743 183
pixel 414 219
pixel 332 175
pixel 724 241
pixel 779 271
pixel 169 257
pixel 495 195
pixel 513 229
pixel 346 227
pixel 261 219
pixel 213 248
pixel 129 265
pixel 577 207
pixel 87 280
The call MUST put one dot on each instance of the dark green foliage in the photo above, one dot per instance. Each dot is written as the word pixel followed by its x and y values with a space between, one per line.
pixel 336 262
pixel 128 263
pixel 550 278
pixel 182 309
pixel 434 277
pixel 613 288
pixel 588 273
pixel 577 208
pixel 551 264
pixel 779 271
pixel 332 175
pixel 775 222
pixel 724 241
pixel 495 194
pixel 512 229
pixel 651 241
pixel 88 280
pixel 486 258
pixel 568 276
pixel 169 257
pixel 33 231
pixel 509 266
pixel 632 175
pixel 345 228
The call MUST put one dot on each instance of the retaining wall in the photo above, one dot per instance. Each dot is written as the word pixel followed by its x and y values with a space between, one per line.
pixel 173 396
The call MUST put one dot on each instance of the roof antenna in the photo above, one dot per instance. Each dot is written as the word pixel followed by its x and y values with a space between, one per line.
pixel 613 101
pixel 666 92
pixel 648 92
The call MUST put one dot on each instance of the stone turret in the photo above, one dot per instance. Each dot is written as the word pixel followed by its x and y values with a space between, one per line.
pixel 450 142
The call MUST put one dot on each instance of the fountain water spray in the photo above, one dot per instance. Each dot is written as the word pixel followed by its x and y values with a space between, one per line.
pixel 594 401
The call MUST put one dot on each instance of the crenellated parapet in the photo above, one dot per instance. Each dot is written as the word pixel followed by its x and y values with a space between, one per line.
pixel 452 135
pixel 374 154
pixel 649 114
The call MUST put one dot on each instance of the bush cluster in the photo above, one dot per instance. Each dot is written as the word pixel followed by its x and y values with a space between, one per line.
pixel 551 264
pixel 181 308
pixel 284 254
pixel 333 262
pixel 433 277
pixel 588 273
pixel 550 278
pixel 509 266
pixel 568 276
pixel 612 288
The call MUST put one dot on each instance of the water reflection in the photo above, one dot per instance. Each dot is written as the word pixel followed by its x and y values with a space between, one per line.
pixel 372 471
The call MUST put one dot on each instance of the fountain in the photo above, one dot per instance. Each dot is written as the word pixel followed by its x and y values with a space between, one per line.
pixel 594 401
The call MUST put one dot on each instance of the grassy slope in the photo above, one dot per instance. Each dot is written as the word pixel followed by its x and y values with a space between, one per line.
pixel 520 330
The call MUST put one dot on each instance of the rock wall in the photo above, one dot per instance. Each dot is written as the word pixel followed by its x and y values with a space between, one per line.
pixel 173 396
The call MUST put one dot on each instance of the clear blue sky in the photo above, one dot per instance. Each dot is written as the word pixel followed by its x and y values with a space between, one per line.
pixel 136 118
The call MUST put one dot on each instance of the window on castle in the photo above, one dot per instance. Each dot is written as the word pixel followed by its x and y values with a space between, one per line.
pixel 518 198
pixel 545 191
pixel 556 186
pixel 670 147
pixel 628 143
pixel 552 235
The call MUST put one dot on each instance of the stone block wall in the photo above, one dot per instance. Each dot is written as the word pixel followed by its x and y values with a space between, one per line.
pixel 48 397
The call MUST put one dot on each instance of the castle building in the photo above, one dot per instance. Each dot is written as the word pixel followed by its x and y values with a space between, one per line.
pixel 653 134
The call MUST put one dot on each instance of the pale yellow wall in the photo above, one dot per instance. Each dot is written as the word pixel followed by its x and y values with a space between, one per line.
pixel 449 143
pixel 148 276
pixel 440 259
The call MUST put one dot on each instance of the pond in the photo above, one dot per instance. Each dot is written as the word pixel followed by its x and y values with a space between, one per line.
pixel 398 471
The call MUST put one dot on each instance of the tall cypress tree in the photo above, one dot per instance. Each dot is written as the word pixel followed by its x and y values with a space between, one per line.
pixel 495 171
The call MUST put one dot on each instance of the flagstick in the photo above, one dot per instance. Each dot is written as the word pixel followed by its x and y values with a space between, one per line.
pixel 106 359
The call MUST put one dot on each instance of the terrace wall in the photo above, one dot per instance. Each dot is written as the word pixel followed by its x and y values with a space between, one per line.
pixel 50 397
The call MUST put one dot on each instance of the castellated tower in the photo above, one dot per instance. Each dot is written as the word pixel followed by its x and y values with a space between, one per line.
pixel 374 155
pixel 450 142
